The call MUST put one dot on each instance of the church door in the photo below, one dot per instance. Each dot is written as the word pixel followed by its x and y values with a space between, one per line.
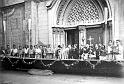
pixel 72 37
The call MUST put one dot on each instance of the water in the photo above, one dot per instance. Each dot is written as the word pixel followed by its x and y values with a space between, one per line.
pixel 21 77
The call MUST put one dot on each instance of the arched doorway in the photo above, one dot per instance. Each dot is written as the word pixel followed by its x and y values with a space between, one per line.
pixel 88 17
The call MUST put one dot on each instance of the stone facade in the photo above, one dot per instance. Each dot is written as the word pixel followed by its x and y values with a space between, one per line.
pixel 11 2
pixel 81 11
pixel 48 14
pixel 39 16
pixel 117 19
pixel 13 17
pixel 1 30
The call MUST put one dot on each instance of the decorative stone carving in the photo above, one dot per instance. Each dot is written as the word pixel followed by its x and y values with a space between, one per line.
pixel 84 11
pixel 58 30
pixel 62 4
pixel 14 16
pixel 9 12
pixel 58 36
pixel 50 3
pixel 27 10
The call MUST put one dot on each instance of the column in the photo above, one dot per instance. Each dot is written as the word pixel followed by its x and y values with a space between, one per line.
pixel 115 21
pixel 82 35
pixel 62 37
pixel 66 39
pixel 54 37
pixel 58 37
pixel 29 28
pixel 4 32
pixel 34 22
pixel 54 40
pixel 43 29
pixel 105 27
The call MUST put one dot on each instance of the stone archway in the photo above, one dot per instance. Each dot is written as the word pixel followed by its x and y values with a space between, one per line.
pixel 72 12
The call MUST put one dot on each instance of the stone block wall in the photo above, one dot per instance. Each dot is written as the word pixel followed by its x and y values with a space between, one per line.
pixel 39 18
pixel 117 8
pixel 11 2
pixel 43 23
pixel 14 16
pixel 1 31
pixel 121 20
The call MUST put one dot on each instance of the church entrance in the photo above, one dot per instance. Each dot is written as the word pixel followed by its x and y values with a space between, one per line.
pixel 72 36
pixel 79 35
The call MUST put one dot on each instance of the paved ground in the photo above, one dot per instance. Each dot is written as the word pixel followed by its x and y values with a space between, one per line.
pixel 19 77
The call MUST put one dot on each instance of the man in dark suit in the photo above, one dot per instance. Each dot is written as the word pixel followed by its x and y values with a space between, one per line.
pixel 7 50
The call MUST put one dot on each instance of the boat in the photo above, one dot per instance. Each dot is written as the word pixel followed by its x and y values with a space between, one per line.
pixel 70 66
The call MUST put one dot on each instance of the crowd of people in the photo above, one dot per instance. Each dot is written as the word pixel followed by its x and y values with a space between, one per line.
pixel 113 51
pixel 36 51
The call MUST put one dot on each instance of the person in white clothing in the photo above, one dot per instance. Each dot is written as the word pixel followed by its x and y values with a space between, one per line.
pixel 66 53
pixel 49 53
pixel 37 52
pixel 110 50
pixel 20 51
pixel 31 52
pixel 119 49
pixel 14 51
pixel 26 51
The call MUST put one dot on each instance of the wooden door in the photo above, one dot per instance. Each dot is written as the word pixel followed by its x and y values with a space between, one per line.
pixel 72 37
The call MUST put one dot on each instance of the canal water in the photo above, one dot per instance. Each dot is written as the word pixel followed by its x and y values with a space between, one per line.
pixel 22 77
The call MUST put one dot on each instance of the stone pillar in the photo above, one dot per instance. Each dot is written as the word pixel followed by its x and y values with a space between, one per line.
pixel 56 37
pixel 105 26
pixel 4 32
pixel 66 39
pixel 62 38
pixel 53 33
pixel 115 20
pixel 34 22
pixel 110 29
pixel 26 24
pixel 121 20
pixel 39 15
pixel 82 35
pixel 43 30
pixel 1 30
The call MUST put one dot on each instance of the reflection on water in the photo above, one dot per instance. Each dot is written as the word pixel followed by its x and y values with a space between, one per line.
pixel 19 77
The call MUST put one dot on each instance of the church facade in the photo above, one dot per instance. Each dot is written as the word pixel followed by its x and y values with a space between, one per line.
pixel 61 22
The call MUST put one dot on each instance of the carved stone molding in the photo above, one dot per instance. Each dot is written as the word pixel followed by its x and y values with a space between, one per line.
pixel 8 12
pixel 83 10
pixel 58 30
pixel 50 3
pixel 61 7
pixel 79 11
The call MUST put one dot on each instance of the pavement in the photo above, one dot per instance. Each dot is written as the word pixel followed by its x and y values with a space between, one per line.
pixel 22 77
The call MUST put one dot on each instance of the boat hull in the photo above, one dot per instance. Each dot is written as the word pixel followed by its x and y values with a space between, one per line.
pixel 73 66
